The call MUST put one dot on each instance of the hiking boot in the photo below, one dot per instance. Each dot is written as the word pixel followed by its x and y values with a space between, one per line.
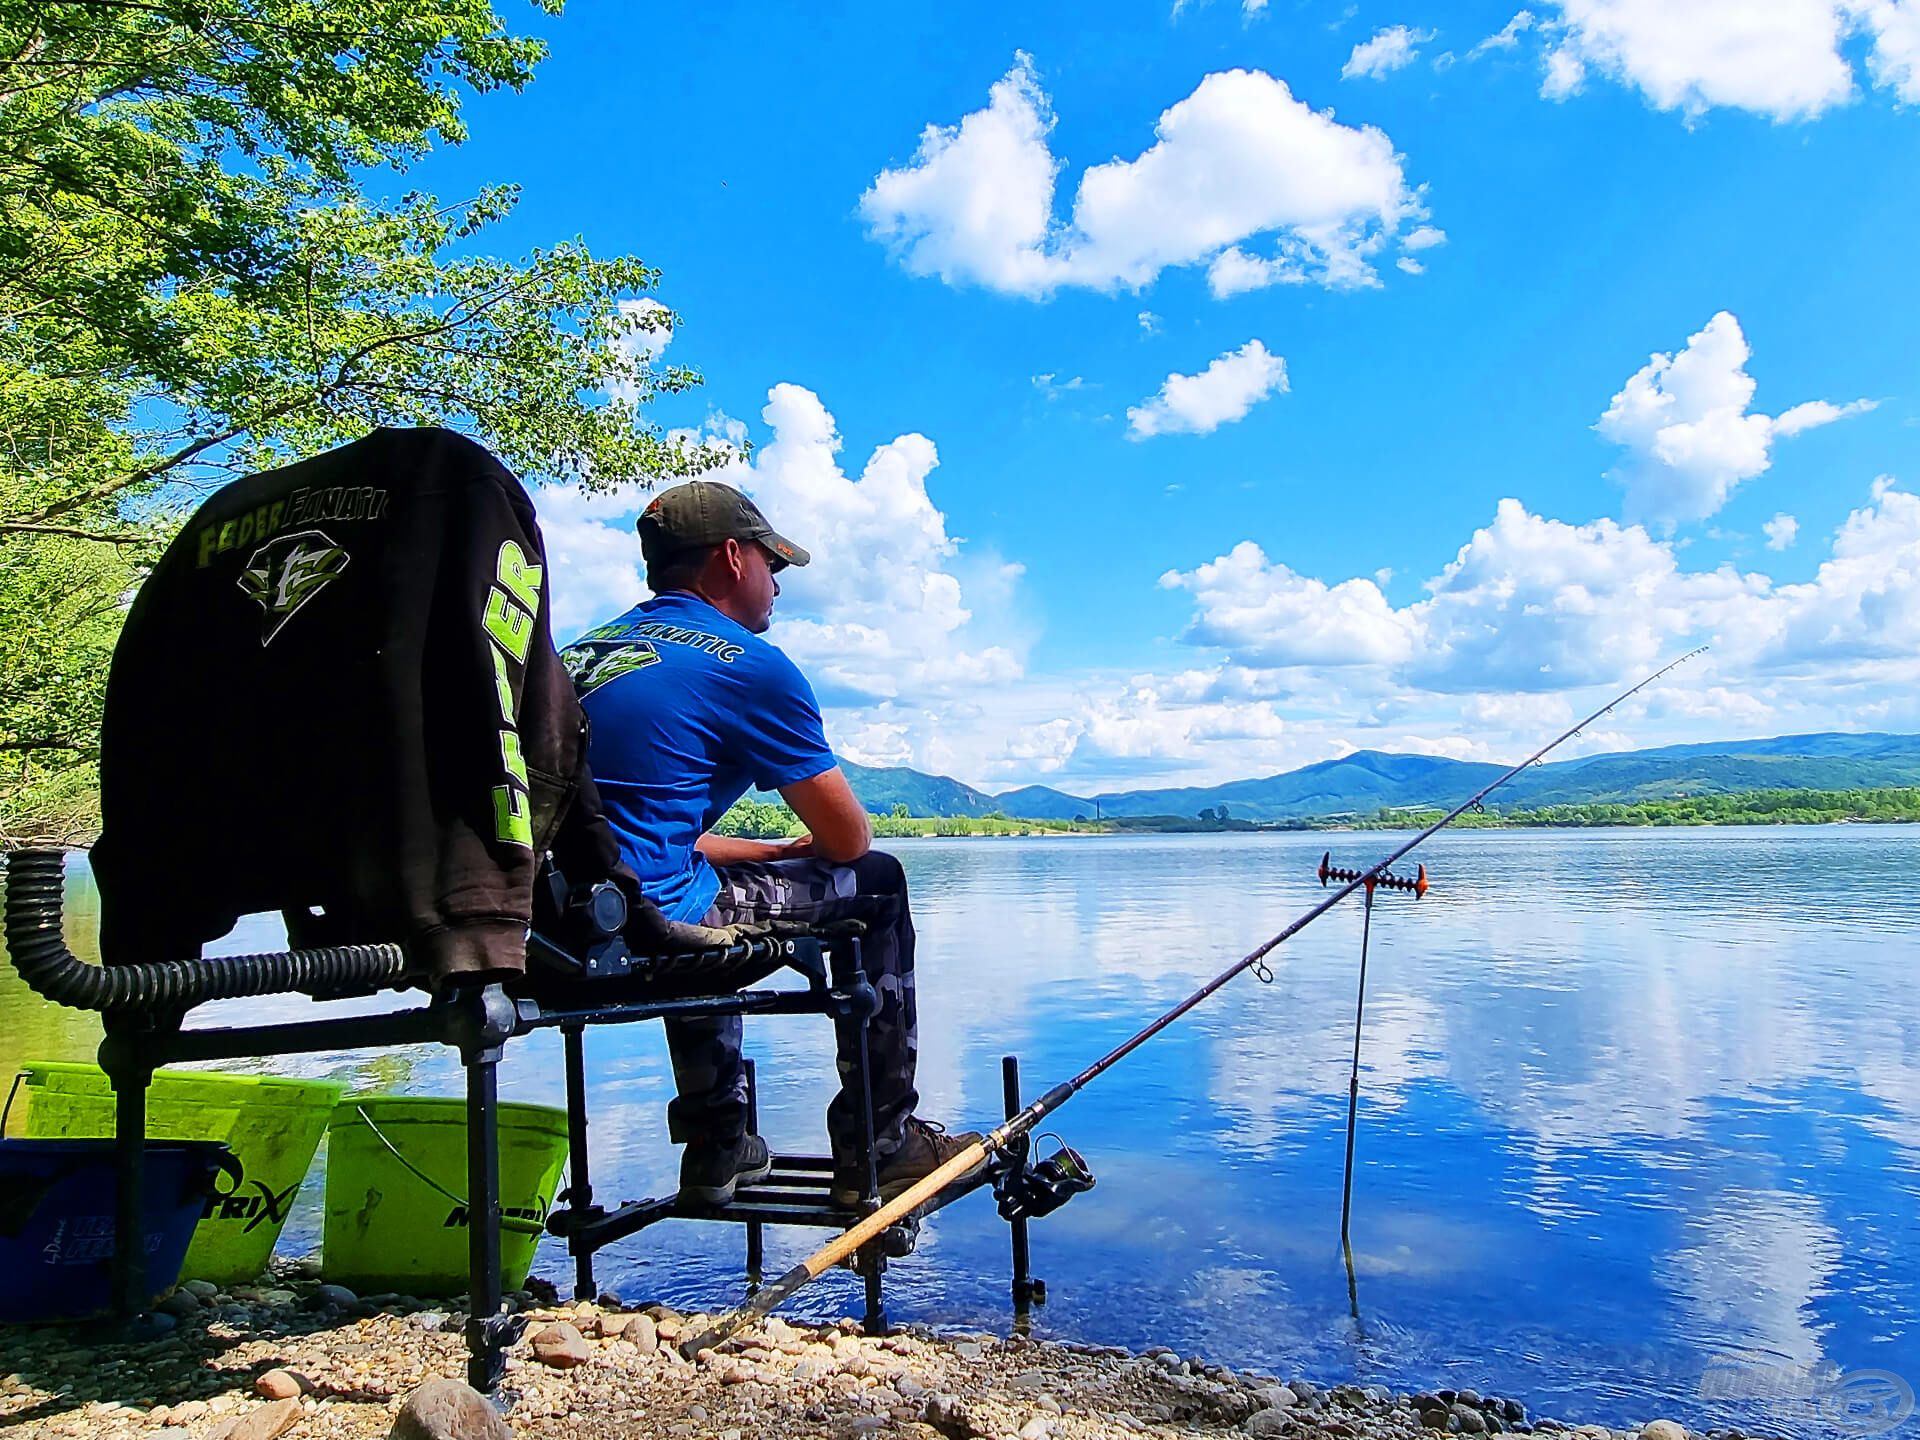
pixel 709 1173
pixel 925 1147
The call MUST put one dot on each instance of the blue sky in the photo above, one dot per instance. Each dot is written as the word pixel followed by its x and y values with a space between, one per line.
pixel 1221 387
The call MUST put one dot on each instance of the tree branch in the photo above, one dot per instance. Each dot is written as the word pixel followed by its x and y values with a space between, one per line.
pixel 123 537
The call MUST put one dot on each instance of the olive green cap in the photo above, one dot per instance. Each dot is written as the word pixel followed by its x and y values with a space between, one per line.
pixel 703 513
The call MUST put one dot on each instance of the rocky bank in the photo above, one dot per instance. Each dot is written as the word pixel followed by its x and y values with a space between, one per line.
pixel 292 1358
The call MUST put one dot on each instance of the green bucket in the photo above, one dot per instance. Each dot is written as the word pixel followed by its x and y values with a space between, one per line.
pixel 272 1126
pixel 396 1187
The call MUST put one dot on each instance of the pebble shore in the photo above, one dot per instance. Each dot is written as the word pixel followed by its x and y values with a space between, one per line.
pixel 296 1359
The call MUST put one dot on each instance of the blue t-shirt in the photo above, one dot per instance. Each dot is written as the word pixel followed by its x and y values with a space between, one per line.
pixel 689 710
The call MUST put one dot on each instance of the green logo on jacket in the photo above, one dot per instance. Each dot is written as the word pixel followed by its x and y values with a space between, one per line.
pixel 287 572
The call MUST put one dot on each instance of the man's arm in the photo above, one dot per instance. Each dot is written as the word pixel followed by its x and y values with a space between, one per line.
pixel 732 849
pixel 838 828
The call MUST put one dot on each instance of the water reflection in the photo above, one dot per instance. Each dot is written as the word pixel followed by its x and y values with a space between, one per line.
pixel 1631 1102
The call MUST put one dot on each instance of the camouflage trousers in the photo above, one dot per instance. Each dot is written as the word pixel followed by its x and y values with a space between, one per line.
pixel 707 1067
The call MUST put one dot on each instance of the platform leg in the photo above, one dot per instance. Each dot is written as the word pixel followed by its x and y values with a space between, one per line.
pixel 1022 1276
pixel 873 1265
pixel 485 1325
pixel 580 1178
pixel 756 1232
pixel 130 1294
pixel 848 977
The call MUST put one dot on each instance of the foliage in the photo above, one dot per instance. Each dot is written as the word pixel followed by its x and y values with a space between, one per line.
pixel 889 827
pixel 753 820
pixel 1750 807
pixel 1755 807
pixel 1207 822
pixel 756 820
pixel 196 281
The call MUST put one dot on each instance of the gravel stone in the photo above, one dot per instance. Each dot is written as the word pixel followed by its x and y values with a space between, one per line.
pixel 267 1422
pixel 561 1346
pixel 281 1384
pixel 448 1410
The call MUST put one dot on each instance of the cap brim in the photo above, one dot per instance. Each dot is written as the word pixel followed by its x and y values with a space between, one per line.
pixel 789 553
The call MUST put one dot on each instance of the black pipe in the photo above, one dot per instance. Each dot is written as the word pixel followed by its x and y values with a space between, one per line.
pixel 41 956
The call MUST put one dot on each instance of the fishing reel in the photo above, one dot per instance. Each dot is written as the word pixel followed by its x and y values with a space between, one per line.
pixel 1030 1191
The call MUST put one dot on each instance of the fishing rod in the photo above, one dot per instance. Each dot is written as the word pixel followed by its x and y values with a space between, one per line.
pixel 769 1297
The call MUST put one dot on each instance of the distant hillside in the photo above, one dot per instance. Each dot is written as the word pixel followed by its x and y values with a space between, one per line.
pixel 1870 746
pixel 1362 781
pixel 880 788
pixel 1037 802
pixel 1626 779
pixel 1367 780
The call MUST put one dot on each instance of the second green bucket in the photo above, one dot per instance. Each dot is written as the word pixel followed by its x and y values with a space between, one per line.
pixel 396 1187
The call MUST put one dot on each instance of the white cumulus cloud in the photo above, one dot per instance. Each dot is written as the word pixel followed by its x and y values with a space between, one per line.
pixel 884 611
pixel 1863 604
pixel 1784 59
pixel 1689 435
pixel 1530 624
pixel 1225 391
pixel 1393 48
pixel 1534 605
pixel 880 612
pixel 1894 62
pixel 1265 614
pixel 1781 531
pixel 1506 37
pixel 1239 162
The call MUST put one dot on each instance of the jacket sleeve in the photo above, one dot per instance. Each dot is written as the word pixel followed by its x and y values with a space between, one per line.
pixel 493 754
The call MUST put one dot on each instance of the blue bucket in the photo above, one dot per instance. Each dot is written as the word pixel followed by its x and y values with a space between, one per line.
pixel 56 1221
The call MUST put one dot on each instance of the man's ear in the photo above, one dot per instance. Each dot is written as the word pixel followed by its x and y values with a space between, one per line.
pixel 736 558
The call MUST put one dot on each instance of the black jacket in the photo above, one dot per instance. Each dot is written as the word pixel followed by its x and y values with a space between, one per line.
pixel 338 690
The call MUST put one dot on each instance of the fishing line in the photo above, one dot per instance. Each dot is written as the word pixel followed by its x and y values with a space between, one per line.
pixel 966 1161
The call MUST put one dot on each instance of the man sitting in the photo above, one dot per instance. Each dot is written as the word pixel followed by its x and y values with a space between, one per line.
pixel 690 708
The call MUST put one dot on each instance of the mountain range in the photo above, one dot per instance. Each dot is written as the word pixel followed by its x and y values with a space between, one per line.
pixel 1368 780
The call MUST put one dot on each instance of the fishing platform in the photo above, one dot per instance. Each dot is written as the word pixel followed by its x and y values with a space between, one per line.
pixel 402 614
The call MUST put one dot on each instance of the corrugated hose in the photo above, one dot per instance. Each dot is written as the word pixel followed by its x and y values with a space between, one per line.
pixel 53 971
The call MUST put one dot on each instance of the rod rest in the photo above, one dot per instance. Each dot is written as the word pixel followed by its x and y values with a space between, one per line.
pixel 41 956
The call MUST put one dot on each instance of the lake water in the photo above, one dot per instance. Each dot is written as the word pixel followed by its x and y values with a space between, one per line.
pixel 1639 1120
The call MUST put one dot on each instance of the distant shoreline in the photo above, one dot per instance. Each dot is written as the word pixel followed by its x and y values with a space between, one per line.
pixel 1361 826
pixel 1891 805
